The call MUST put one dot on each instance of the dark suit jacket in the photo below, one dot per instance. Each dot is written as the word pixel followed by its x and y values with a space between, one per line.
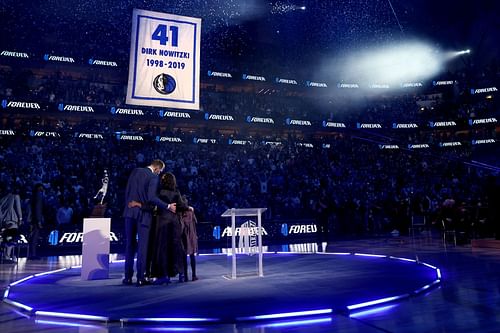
pixel 142 186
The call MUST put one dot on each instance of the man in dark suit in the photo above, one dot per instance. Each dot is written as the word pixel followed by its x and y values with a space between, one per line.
pixel 142 186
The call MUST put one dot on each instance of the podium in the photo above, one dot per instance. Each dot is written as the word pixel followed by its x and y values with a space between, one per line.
pixel 233 213
pixel 95 248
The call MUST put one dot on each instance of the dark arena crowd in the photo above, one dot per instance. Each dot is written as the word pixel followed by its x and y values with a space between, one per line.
pixel 351 161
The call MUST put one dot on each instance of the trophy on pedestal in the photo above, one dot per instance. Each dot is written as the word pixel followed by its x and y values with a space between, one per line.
pixel 100 207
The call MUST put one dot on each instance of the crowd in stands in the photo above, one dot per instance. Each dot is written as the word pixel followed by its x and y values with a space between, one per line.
pixel 415 106
pixel 370 191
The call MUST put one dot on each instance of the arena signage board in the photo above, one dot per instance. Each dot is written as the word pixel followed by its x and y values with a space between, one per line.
pixel 75 108
pixel 168 139
pixel 261 120
pixel 130 112
pixel 388 146
pixel 304 144
pixel 22 105
pixel 48 57
pixel 483 121
pixel 379 86
pixel 44 134
pixel 77 237
pixel 126 137
pixel 297 122
pixel 443 83
pixel 366 125
pixel 450 144
pixel 409 125
pixel 347 85
pixel 333 124
pixel 418 146
pixel 228 231
pixel 164 67
pixel 94 136
pixel 239 142
pixel 483 90
pixel 174 114
pixel 204 140
pixel 298 229
pixel 220 117
pixel 285 81
pixel 102 63
pixel 316 84
pixel 442 123
pixel 483 141
pixel 411 84
pixel 7 132
pixel 13 54
pixel 253 77
pixel 219 74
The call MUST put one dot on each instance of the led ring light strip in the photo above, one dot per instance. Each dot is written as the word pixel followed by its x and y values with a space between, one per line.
pixel 249 318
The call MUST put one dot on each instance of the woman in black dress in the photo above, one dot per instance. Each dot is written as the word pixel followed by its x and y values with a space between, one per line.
pixel 168 251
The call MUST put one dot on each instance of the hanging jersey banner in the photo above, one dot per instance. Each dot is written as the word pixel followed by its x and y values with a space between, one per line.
pixel 164 68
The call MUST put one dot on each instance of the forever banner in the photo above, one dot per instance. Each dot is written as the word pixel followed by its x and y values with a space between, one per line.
pixel 164 68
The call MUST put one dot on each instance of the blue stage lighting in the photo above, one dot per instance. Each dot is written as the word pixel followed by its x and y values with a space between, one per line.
pixel 20 281
pixel 18 305
pixel 70 315
pixel 370 255
pixel 375 302
pixel 372 311
pixel 168 320
pixel 402 259
pixel 427 286
pixel 50 272
pixel 299 322
pixel 287 314
pixel 66 324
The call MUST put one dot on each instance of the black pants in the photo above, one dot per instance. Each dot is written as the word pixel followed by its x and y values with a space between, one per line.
pixel 33 239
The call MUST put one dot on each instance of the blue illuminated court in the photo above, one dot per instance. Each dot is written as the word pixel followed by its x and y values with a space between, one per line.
pixel 294 285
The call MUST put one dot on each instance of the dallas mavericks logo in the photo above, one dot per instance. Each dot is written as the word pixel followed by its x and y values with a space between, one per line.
pixel 248 237
pixel 216 232
pixel 164 84
pixel 284 229
pixel 54 237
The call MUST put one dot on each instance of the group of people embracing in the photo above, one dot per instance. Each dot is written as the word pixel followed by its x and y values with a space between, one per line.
pixel 160 227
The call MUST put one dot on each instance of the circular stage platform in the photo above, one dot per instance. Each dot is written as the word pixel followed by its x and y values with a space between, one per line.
pixel 293 285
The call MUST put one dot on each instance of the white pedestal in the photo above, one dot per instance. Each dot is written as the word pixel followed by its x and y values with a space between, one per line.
pixel 95 248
